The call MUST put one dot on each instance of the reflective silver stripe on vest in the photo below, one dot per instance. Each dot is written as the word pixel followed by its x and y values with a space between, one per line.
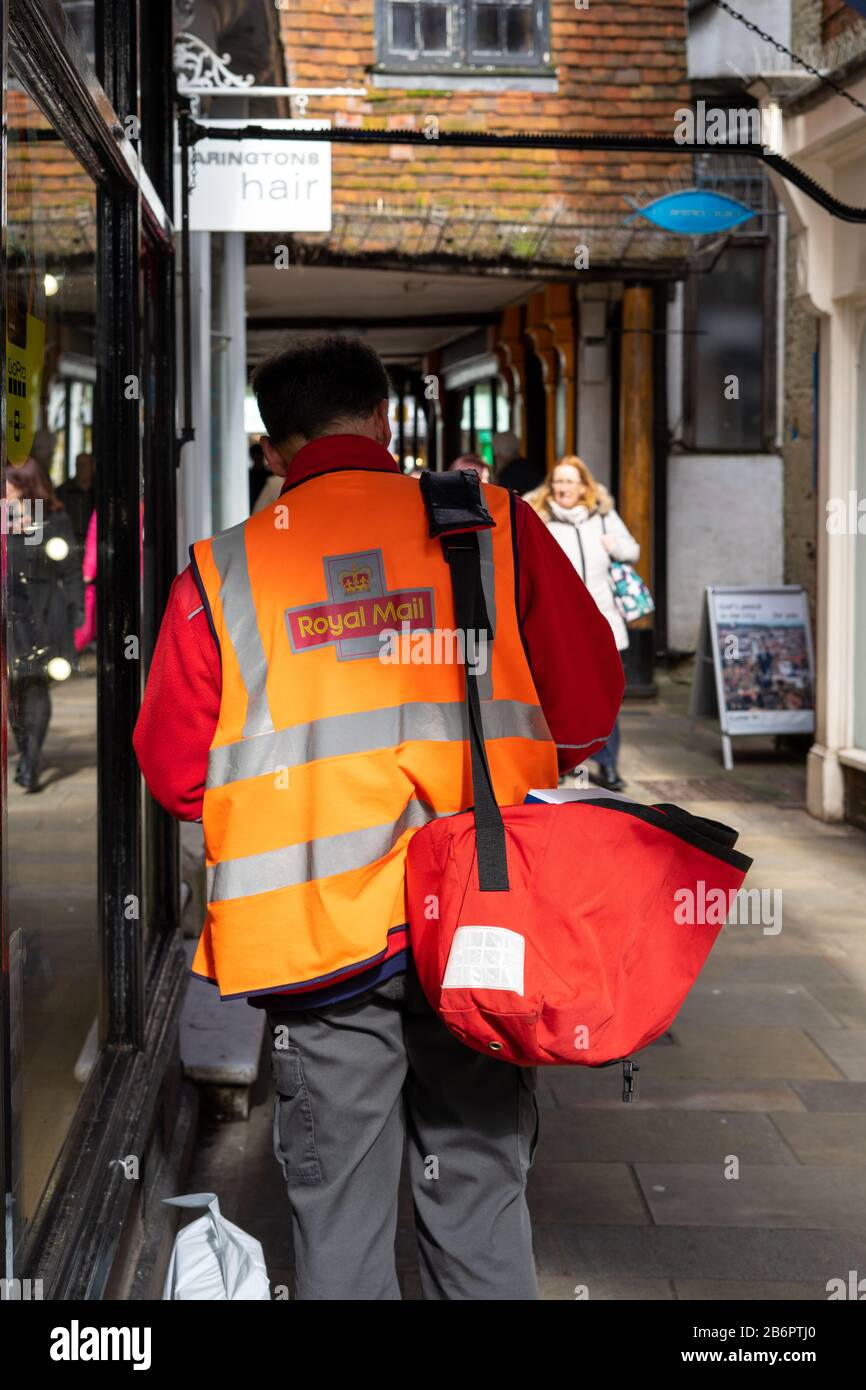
pixel 331 854
pixel 239 611
pixel 341 734
pixel 488 585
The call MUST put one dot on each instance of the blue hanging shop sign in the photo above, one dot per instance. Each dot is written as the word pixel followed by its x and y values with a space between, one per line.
pixel 695 212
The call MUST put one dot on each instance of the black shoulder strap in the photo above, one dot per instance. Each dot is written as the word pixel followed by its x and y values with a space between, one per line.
pixel 454 502
pixel 455 513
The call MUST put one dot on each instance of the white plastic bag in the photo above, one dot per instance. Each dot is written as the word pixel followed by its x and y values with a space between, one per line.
pixel 212 1258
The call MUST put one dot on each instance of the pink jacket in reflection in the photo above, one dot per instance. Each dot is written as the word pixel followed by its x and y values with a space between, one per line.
pixel 85 634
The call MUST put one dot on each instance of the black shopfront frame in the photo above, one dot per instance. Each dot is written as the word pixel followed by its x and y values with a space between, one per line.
pixel 84 1213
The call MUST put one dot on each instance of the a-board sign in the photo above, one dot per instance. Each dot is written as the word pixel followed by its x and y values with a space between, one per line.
pixel 755 668
pixel 259 185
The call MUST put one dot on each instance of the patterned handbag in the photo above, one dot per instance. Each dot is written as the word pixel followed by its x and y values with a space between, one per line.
pixel 630 593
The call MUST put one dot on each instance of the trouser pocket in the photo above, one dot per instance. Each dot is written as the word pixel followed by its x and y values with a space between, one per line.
pixel 294 1131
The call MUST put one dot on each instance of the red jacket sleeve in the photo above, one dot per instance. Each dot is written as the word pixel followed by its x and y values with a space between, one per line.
pixel 569 644
pixel 181 704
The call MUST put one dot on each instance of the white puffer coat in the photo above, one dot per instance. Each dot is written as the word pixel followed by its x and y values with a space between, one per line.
pixel 580 536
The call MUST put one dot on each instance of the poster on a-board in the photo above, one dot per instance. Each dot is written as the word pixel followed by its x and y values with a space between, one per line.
pixel 755 666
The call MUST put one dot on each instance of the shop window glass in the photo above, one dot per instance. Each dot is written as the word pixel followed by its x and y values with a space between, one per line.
pixel 455 34
pixel 728 395
pixel 467 431
pixel 503 413
pixel 504 29
pixel 48 541
pixel 81 18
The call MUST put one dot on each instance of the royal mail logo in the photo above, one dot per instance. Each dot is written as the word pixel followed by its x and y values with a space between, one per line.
pixel 356 581
pixel 359 607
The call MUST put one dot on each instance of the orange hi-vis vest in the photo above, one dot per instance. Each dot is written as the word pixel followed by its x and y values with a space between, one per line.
pixel 342 722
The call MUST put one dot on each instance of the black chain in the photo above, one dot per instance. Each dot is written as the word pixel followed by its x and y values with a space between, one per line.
pixel 780 48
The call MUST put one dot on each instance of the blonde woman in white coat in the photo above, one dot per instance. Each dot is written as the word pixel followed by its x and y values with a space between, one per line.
pixel 580 514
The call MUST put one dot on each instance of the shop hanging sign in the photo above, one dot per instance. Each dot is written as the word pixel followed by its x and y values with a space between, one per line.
pixel 259 185
pixel 25 352
pixel 754 667
pixel 695 212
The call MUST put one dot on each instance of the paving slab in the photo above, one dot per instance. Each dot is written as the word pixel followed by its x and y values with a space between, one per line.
pixel 707 1252
pixel 772 1196
pixel 740 1053
pixel 593 1289
pixel 846 1048
pixel 598 1193
pixel 850 962
pixel 574 1089
pixel 761 1005
pixel 774 968
pixel 748 1290
pixel 832 1097
pixel 825 1140
pixel 550 1258
pixel 749 941
pixel 659 1136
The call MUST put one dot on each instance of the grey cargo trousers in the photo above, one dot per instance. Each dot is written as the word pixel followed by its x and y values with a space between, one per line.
pixel 353 1082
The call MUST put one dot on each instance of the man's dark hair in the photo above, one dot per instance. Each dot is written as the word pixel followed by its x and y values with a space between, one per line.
pixel 314 384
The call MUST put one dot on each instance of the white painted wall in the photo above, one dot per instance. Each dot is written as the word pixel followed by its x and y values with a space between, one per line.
pixel 195 515
pixel 719 46
pixel 593 429
pixel 593 390
pixel 676 319
pixel 229 453
pixel 725 526
pixel 828 141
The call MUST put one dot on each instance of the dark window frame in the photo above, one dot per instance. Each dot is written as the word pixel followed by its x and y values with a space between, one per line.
pixel 747 181
pixel 462 58
pixel 74 1231
pixel 750 185
pixel 768 245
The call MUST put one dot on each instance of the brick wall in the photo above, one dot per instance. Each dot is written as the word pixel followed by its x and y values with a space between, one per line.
pixel 619 67
pixel 835 17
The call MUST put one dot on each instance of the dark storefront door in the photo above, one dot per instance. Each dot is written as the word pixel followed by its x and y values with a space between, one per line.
pixel 88 994
pixel 536 413
pixel 51 775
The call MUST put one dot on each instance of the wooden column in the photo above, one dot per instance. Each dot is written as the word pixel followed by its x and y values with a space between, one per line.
pixel 635 501
pixel 435 409
pixel 560 318
pixel 511 352
pixel 539 333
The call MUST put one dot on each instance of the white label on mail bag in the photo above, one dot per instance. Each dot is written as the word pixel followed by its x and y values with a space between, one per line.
pixel 485 958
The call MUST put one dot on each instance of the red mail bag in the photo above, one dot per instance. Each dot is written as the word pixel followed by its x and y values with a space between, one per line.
pixel 555 934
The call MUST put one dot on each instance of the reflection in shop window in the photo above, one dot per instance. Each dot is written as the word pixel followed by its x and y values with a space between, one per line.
pixel 421 28
pixel 462 34
pixel 503 29
pixel 409 426
pixel 726 362
pixel 81 17
pixel 483 411
pixel 50 459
